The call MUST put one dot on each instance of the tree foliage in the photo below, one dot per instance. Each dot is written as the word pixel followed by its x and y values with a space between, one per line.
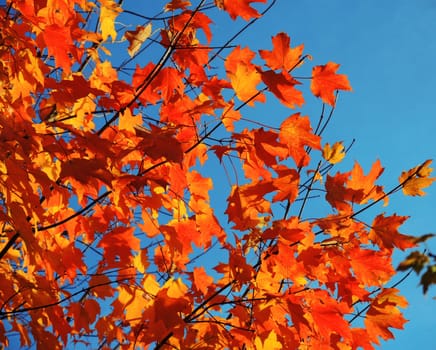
pixel 117 128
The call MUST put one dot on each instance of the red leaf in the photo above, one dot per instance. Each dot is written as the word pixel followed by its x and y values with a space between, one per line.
pixel 158 143
pixel 60 44
pixel 282 85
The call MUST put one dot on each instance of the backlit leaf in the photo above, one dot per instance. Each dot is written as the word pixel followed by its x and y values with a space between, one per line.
pixel 325 81
pixel 417 178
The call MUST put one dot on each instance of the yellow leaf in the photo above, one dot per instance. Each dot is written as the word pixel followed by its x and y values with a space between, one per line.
pixel 128 121
pixel 270 342
pixel 108 12
pixel 333 154
pixel 417 178
pixel 49 166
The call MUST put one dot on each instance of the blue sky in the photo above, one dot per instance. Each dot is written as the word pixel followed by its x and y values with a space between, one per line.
pixel 388 51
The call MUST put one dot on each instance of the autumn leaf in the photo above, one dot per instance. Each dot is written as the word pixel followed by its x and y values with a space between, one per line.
pixel 325 81
pixel 333 154
pixel 241 8
pixel 128 121
pixel 137 37
pixel 177 5
pixel 417 178
pixel 283 87
pixel 243 77
pixel 296 133
pixel 59 43
pixel 109 11
pixel 383 314
pixel 201 279
pixel 270 343
pixel 415 260
pixel 371 267
pixel 158 143
pixel 84 170
pixel 384 232
pixel 282 55
pixel 363 186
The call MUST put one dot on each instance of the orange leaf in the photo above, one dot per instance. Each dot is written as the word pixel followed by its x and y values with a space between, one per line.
pixel 296 133
pixel 85 170
pixel 118 244
pixel 201 279
pixel 241 8
pixel 364 185
pixel 270 343
pixel 177 5
pixel 415 179
pixel 129 122
pixel 59 44
pixel 243 75
pixel 372 268
pixel 282 56
pixel 384 232
pixel 384 314
pixel 325 81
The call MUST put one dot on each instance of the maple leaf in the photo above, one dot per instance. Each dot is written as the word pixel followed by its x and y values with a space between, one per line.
pixel 384 232
pixel 384 314
pixel 241 8
pixel 129 122
pixel 282 55
pixel 137 37
pixel 333 154
pixel 59 44
pixel 243 75
pixel 325 81
pixel 177 5
pixel 269 343
pixel 84 170
pixel 328 317
pixel 296 133
pixel 363 186
pixel 109 10
pixel 415 260
pixel 282 85
pixel 201 279
pixel 417 178
pixel 157 143
pixel 371 267
pixel 118 244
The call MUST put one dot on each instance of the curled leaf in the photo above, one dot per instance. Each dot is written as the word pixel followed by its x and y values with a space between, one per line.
pixel 137 37
pixel 417 178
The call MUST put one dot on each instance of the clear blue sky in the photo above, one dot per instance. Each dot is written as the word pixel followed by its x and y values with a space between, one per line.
pixel 388 51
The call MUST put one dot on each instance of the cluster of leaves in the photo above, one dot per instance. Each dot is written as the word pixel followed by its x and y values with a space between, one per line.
pixel 105 204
